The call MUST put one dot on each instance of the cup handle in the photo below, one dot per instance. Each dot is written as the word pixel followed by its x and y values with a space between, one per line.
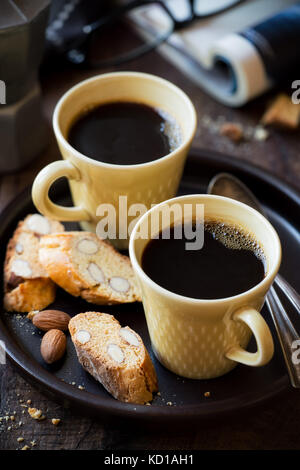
pixel 40 190
pixel 263 337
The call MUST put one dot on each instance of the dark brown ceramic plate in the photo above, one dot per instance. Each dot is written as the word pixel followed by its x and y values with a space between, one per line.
pixel 240 389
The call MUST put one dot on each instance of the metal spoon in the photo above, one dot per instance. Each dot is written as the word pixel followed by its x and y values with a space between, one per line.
pixel 225 184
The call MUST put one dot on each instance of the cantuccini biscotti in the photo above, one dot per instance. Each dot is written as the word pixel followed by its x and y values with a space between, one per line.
pixel 86 266
pixel 114 356
pixel 27 285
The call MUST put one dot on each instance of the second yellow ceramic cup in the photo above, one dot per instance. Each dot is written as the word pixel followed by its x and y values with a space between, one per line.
pixel 197 338
pixel 94 183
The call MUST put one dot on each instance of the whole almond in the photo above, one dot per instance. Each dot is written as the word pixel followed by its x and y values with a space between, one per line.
pixel 53 346
pixel 51 319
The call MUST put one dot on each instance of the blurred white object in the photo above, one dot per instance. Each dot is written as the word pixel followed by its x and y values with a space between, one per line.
pixel 211 52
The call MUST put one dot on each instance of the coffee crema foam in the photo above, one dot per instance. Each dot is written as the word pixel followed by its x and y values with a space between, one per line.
pixel 171 129
pixel 235 238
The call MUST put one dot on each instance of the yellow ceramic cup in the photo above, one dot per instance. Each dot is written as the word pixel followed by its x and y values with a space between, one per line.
pixel 202 339
pixel 92 182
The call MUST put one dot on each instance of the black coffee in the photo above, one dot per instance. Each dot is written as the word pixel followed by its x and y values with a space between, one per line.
pixel 230 262
pixel 124 133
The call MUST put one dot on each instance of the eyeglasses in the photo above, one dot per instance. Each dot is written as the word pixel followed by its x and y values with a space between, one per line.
pixel 137 28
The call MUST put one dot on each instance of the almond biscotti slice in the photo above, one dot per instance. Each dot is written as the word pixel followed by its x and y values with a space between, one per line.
pixel 86 266
pixel 27 285
pixel 114 356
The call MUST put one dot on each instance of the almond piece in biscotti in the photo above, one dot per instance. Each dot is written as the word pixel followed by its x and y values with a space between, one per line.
pixel 83 336
pixel 19 248
pixel 115 353
pixel 128 336
pixel 119 284
pixel 87 246
pixel 96 273
pixel 21 268
pixel 38 224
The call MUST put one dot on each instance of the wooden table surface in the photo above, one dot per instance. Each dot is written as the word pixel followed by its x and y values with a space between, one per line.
pixel 276 425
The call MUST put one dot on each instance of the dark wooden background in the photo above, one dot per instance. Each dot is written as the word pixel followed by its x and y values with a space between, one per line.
pixel 274 426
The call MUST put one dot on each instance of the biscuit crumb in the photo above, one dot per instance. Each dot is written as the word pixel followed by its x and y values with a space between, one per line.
pixel 260 133
pixel 36 414
pixel 20 439
pixel 207 394
pixel 282 113
pixel 232 130
pixel 33 443
pixel 31 314
pixel 169 403
pixel 25 448
pixel 80 387
pixel 55 421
